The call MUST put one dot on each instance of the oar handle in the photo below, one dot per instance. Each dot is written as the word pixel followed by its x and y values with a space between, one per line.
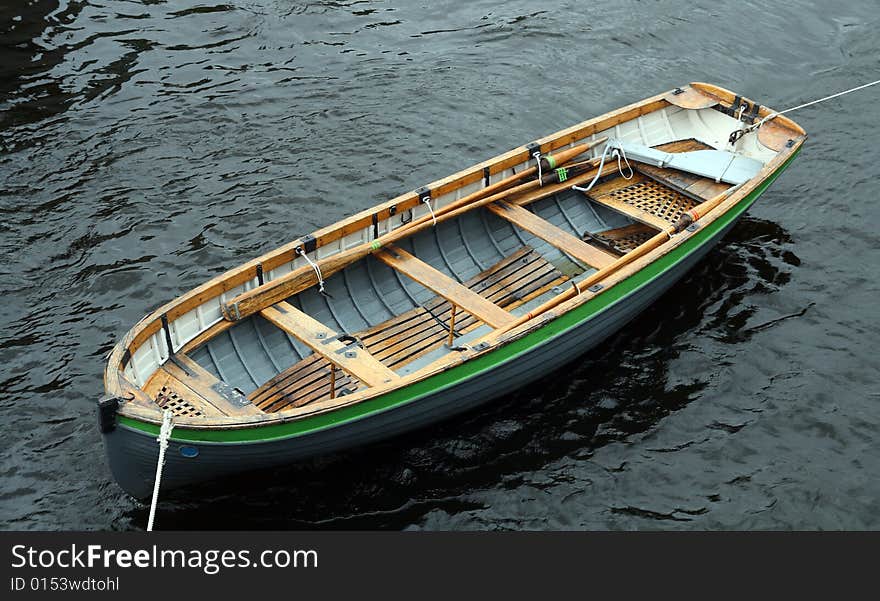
pixel 552 161
pixel 691 215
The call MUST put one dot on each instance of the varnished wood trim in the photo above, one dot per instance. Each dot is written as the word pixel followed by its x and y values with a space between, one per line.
pixel 690 98
pixel 286 253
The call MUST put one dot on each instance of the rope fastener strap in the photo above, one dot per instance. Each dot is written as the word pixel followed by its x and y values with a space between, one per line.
pixel 424 194
pixel 164 437
pixel 537 156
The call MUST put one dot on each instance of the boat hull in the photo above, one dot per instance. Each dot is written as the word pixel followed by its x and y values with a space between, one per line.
pixel 132 448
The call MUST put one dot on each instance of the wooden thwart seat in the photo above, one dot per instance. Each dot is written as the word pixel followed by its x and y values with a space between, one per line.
pixel 445 286
pixel 543 229
pixel 325 342
pixel 422 329
pixel 406 337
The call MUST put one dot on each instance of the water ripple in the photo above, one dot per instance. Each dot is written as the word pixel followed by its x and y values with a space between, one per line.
pixel 145 146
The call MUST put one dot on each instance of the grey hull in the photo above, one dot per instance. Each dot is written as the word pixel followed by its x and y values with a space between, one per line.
pixel 133 454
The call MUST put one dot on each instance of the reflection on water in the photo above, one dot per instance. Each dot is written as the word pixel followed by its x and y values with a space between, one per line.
pixel 147 145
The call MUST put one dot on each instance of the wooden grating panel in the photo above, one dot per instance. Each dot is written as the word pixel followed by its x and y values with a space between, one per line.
pixel 180 407
pixel 623 239
pixel 632 241
pixel 654 199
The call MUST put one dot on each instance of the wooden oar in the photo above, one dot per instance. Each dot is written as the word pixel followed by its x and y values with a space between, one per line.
pixel 548 163
pixel 289 284
pixel 684 221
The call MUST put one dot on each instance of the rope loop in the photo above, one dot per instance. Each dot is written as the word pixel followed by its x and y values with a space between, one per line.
pixel 315 267
pixel 615 152
pixel 427 201
pixel 618 152
pixel 608 146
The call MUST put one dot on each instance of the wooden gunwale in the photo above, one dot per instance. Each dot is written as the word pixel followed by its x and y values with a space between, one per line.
pixel 117 384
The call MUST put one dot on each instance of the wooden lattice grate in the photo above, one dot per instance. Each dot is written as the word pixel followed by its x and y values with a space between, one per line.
pixel 624 244
pixel 168 399
pixel 654 198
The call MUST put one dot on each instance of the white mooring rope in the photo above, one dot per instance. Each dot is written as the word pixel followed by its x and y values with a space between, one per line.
pixel 164 436
pixel 811 103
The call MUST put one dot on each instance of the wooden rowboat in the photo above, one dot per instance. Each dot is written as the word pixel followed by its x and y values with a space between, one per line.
pixel 442 298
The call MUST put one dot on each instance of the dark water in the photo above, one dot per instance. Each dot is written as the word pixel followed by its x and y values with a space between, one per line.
pixel 147 145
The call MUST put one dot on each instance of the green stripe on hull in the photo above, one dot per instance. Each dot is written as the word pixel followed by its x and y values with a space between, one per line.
pixel 478 365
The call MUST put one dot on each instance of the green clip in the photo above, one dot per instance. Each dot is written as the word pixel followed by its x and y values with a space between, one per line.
pixel 562 174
